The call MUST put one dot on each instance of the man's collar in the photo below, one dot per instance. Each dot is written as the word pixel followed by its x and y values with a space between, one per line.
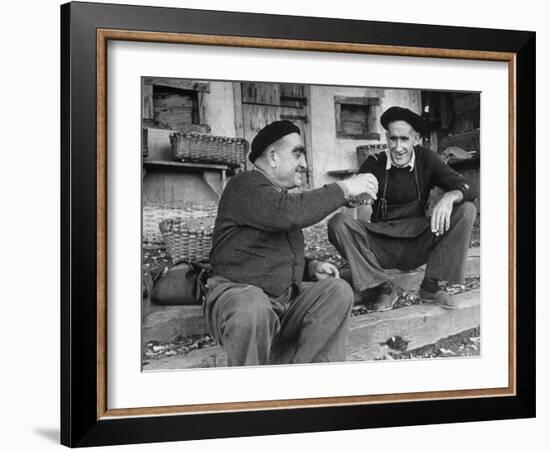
pixel 269 178
pixel 389 162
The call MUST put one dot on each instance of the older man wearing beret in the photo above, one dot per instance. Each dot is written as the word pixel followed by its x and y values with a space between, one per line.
pixel 400 235
pixel 267 303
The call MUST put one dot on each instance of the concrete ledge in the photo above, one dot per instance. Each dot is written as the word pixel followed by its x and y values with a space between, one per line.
pixel 419 325
pixel 165 323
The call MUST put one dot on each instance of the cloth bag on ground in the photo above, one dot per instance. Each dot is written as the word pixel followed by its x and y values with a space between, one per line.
pixel 182 284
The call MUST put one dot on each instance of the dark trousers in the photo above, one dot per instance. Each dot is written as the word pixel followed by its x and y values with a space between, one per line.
pixel 370 253
pixel 308 325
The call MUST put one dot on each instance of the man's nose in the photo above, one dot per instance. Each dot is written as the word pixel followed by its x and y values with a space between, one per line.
pixel 303 161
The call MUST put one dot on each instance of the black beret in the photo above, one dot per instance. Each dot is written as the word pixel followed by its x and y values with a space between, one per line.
pixel 396 113
pixel 269 134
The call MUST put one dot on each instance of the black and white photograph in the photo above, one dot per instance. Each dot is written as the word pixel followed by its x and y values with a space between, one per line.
pixel 288 223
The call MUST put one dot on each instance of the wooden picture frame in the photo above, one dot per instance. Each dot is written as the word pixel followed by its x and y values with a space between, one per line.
pixel 86 418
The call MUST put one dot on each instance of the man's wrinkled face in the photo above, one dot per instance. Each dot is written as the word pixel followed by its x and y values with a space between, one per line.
pixel 401 138
pixel 290 161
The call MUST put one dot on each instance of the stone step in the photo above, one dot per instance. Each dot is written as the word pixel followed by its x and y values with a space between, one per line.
pixel 419 325
pixel 165 323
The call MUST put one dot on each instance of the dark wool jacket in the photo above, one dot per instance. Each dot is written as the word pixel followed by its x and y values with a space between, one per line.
pixel 431 170
pixel 257 236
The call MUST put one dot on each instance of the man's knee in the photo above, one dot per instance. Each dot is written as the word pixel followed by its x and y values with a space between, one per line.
pixel 337 223
pixel 340 292
pixel 248 308
pixel 466 211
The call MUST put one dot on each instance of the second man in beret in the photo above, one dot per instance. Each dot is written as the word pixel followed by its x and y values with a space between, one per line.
pixel 400 235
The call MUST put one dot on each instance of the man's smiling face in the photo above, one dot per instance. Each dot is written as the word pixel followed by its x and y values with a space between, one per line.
pixel 291 161
pixel 402 138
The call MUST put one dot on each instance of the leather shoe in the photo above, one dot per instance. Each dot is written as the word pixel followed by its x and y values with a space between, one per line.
pixel 433 291
pixel 382 297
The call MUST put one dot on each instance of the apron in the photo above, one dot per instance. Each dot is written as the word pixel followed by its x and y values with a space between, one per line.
pixel 405 220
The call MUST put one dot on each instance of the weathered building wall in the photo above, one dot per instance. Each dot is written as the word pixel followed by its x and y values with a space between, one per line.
pixel 330 152
pixel 220 109
pixel 168 185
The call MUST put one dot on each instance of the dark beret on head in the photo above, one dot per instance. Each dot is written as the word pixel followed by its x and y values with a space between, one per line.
pixel 396 113
pixel 269 134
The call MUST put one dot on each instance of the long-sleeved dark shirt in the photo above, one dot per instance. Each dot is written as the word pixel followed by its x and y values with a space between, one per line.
pixel 258 236
pixel 431 171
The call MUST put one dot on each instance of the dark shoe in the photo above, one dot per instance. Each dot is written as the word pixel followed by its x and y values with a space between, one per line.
pixel 381 298
pixel 433 291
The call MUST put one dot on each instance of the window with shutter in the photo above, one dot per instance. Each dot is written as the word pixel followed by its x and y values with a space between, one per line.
pixel 356 117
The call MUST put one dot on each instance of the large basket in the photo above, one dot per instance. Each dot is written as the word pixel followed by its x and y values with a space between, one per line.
pixel 205 148
pixel 364 151
pixel 155 213
pixel 187 239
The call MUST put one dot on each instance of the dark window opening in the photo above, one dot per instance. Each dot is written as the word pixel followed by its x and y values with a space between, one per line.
pixel 356 117
pixel 175 108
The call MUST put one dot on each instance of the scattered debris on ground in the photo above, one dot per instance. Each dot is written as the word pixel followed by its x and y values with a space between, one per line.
pixel 179 346
pixel 397 343
pixel 464 344
pixel 155 259
pixel 317 246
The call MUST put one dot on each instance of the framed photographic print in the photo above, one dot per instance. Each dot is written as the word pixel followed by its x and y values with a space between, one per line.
pixel 277 224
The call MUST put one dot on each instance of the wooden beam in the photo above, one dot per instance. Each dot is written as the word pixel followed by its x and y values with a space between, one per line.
pixel 357 100
pixel 238 109
pixel 419 325
pixel 185 165
pixel 188 85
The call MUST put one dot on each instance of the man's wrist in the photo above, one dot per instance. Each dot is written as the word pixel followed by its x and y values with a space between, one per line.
pixel 345 189
pixel 455 195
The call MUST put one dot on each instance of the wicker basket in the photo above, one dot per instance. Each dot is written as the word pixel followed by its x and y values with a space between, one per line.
pixel 364 151
pixel 154 213
pixel 205 148
pixel 189 239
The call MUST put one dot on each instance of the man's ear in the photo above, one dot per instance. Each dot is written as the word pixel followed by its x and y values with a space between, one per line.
pixel 272 157
pixel 417 139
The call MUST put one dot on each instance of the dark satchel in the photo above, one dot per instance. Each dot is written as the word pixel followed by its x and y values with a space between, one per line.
pixel 182 284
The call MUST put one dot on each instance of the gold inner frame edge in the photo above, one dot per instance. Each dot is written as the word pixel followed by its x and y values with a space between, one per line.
pixel 103 36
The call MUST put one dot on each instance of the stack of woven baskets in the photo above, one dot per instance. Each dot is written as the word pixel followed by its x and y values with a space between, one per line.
pixel 205 148
pixel 185 229
pixel 187 239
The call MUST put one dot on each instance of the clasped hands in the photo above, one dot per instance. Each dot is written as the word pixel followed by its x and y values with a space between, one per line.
pixel 363 188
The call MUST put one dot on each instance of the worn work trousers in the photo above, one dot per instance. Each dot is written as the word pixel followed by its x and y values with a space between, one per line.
pixel 369 253
pixel 309 325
